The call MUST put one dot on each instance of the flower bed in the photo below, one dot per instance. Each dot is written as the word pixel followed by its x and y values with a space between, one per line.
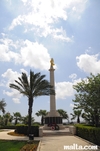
pixel 30 146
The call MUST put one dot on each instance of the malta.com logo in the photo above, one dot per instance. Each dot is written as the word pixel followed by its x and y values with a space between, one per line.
pixel 80 147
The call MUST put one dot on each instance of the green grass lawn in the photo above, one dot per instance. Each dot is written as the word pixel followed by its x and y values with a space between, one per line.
pixel 12 145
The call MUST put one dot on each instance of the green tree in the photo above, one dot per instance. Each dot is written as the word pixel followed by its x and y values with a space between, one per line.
pixel 77 114
pixel 2 122
pixel 25 120
pixel 42 113
pixel 2 105
pixel 63 114
pixel 88 98
pixel 17 117
pixel 11 118
pixel 32 88
pixel 6 117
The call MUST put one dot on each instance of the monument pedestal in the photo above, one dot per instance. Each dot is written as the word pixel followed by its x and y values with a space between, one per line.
pixel 53 118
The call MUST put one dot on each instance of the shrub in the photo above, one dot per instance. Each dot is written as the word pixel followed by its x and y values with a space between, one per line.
pixel 89 133
pixel 20 125
pixel 22 129
pixel 7 127
pixel 36 124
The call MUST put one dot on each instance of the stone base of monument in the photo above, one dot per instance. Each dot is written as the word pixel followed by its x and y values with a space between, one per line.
pixel 53 118
pixel 46 127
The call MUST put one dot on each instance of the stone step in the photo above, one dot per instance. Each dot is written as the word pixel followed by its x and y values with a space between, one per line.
pixel 56 133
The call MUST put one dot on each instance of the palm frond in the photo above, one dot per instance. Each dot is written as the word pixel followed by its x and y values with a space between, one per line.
pixel 36 86
pixel 2 105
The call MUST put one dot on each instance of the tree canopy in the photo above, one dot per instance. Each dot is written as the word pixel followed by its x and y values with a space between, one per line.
pixel 42 113
pixel 2 105
pixel 77 114
pixel 88 98
pixel 63 113
pixel 17 117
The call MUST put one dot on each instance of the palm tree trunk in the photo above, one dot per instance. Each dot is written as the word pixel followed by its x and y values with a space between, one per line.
pixel 78 119
pixel 5 122
pixel 42 120
pixel 93 121
pixel 96 118
pixel 30 114
pixel 15 121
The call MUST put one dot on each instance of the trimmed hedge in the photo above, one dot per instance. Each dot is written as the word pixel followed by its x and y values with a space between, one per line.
pixel 7 127
pixel 89 133
pixel 24 129
pixel 36 124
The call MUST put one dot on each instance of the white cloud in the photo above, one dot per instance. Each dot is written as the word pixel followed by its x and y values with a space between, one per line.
pixel 88 50
pixel 42 16
pixel 17 21
pixel 12 93
pixel 71 105
pixel 35 55
pixel 30 53
pixel 16 100
pixel 4 53
pixel 6 46
pixel 74 8
pixel 64 89
pixel 75 81
pixel 57 34
pixel 10 76
pixel 24 71
pixel 61 37
pixel 89 63
pixel 73 76
pixel 24 1
pixel 41 13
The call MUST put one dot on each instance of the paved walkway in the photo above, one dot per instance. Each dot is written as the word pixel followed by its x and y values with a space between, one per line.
pixel 51 143
pixel 58 143
pixel 4 135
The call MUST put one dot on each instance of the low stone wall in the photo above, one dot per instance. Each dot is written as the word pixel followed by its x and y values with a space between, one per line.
pixel 72 130
pixel 40 131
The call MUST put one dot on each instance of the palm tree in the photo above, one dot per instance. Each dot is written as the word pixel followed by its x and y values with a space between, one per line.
pixel 2 105
pixel 32 88
pixel 2 122
pixel 6 118
pixel 77 114
pixel 11 119
pixel 25 120
pixel 42 113
pixel 63 114
pixel 17 116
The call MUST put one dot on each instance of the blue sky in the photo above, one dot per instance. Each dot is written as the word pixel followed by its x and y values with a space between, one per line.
pixel 32 32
